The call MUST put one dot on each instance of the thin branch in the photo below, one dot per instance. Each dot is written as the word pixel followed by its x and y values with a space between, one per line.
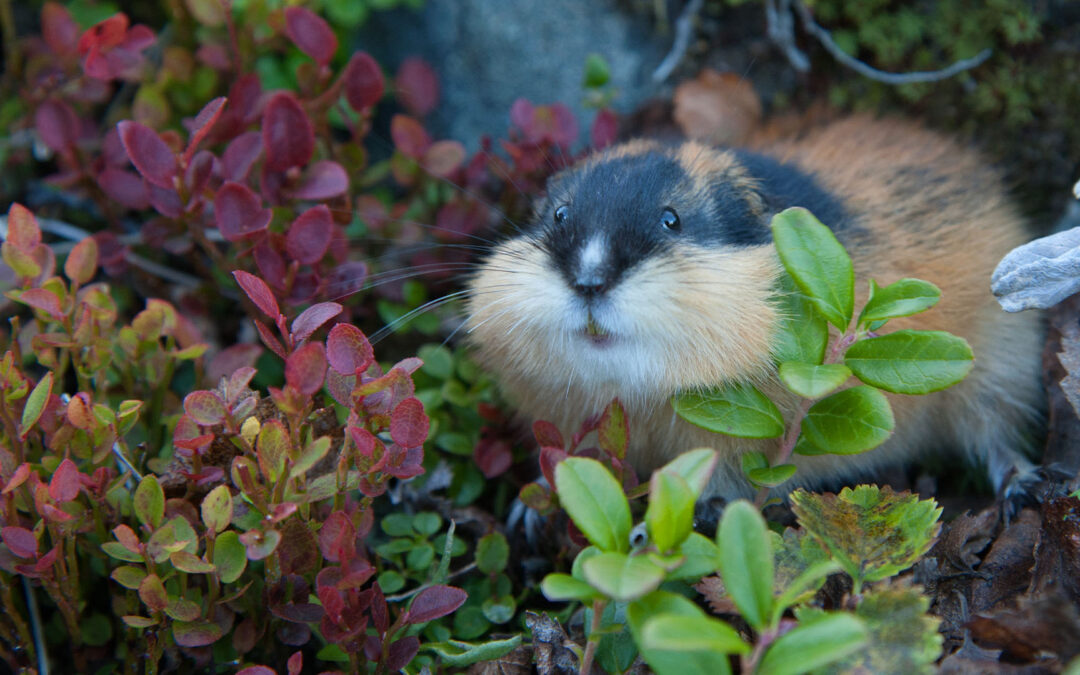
pixel 36 628
pixel 780 27
pixel 684 29
pixel 825 38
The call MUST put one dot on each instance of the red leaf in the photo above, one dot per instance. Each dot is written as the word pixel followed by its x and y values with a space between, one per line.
pixel 64 485
pixel 311 34
pixel 549 457
pixel 401 652
pixel 17 478
pixel 409 136
pixel 348 349
pixel 288 136
pixel 605 129
pixel 322 180
pixel 337 538
pixel 257 670
pixel 240 155
pixel 345 279
pixel 614 430
pixel 312 318
pixel 204 122
pixel 305 369
pixel 124 187
pixel 166 201
pixel 232 358
pixel 205 407
pixel 364 84
pixel 23 231
pixel 104 34
pixel 57 124
pixel 39 298
pixel 270 263
pixel 435 601
pixel 309 235
pixel 79 411
pixel 238 212
pixel 547 434
pixel 409 424
pixel 150 155
pixel 295 664
pixel 198 173
pixel 444 157
pixel 417 86
pixel 259 293
pixel 81 263
pixel 269 340
pixel 21 541
pixel 60 31
pixel 493 457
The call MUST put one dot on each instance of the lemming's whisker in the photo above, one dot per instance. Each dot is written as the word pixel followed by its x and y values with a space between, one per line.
pixel 391 327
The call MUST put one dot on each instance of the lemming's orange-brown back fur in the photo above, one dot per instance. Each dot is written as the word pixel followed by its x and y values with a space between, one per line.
pixel 923 206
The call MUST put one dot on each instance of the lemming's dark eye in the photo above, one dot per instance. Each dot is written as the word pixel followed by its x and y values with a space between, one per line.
pixel 670 220
pixel 560 213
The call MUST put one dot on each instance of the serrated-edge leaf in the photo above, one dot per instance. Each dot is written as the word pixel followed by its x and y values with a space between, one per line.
pixel 806 580
pixel 739 410
pixel 746 561
pixel 911 361
pixel 594 500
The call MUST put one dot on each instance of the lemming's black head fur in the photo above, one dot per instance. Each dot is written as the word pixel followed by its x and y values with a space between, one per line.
pixel 621 204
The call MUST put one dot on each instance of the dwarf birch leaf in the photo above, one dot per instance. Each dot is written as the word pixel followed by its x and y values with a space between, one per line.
pixel 813 645
pixel 811 381
pixel 739 410
pixel 622 577
pixel 848 422
pixel 746 561
pixel 817 262
pixel 874 533
pixel 911 361
pixel 594 500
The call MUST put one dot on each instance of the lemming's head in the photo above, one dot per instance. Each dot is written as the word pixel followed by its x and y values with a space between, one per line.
pixel 647 269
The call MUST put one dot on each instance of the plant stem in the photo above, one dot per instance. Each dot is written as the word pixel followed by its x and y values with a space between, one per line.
pixel 594 637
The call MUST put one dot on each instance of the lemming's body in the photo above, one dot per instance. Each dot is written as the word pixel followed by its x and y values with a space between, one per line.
pixel 650 270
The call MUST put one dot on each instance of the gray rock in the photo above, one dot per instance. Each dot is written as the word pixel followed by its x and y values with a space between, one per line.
pixel 1039 274
pixel 488 53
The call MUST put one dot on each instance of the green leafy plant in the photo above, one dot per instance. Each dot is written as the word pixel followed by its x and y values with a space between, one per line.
pixel 819 291
pixel 869 533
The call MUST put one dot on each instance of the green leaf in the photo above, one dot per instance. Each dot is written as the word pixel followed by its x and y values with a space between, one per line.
pixel 700 557
pixel 672 632
pixel 190 563
pixel 809 646
pixel 695 466
pixel 128 576
pixel 911 361
pixel 35 404
pixel 149 501
pixel 115 549
pixel 460 654
pixel 739 410
pixel 901 298
pixel 811 381
pixel 492 553
pixel 772 476
pixel 802 334
pixel 817 262
pixel 499 610
pixel 559 587
pixel 597 72
pixel 874 533
pixel 808 581
pixel 666 662
pixel 594 500
pixel 622 577
pixel 796 552
pixel 848 422
pixel 310 456
pixel 438 361
pixel 903 637
pixel 746 562
pixel 230 556
pixel 670 514
pixel 217 509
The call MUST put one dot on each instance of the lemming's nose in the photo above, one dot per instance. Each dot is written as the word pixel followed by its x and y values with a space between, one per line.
pixel 589 285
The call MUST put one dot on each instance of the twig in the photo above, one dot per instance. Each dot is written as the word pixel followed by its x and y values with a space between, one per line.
pixel 825 38
pixel 36 628
pixel 684 28
pixel 780 27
